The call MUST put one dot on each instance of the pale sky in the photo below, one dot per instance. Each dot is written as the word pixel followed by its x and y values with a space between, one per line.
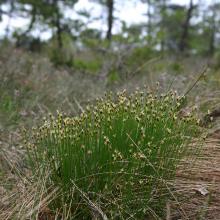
pixel 129 11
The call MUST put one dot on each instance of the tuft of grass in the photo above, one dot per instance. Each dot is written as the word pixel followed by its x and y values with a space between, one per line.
pixel 114 160
pixel 8 109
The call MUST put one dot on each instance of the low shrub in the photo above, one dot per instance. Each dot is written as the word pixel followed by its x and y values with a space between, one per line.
pixel 114 160
pixel 176 67
pixel 139 56
pixel 90 66
pixel 8 109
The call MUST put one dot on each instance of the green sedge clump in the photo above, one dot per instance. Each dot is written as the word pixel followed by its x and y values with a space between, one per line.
pixel 118 154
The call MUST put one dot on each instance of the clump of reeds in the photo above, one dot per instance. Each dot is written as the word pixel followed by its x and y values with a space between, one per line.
pixel 115 158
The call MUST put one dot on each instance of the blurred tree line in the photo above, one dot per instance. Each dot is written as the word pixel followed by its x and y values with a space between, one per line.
pixel 169 29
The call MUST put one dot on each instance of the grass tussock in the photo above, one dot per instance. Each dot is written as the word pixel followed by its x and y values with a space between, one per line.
pixel 115 159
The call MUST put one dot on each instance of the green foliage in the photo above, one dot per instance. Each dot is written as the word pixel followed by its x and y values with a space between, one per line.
pixel 61 56
pixel 57 57
pixel 47 10
pixel 176 67
pixel 163 29
pixel 113 76
pixel 173 27
pixel 91 36
pixel 117 156
pixel 139 56
pixel 90 66
pixel 8 109
pixel 217 61
pixel 7 103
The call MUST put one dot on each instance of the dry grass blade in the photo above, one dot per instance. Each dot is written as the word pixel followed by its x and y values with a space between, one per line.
pixel 199 186
pixel 28 199
pixel 95 209
pixel 196 81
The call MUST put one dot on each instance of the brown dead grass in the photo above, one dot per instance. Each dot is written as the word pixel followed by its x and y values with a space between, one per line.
pixel 198 188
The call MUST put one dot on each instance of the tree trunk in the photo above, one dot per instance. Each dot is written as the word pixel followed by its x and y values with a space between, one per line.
pixel 185 27
pixel 213 32
pixel 33 20
pixel 149 25
pixel 212 43
pixel 162 26
pixel 10 17
pixel 110 6
pixel 59 32
pixel 58 25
